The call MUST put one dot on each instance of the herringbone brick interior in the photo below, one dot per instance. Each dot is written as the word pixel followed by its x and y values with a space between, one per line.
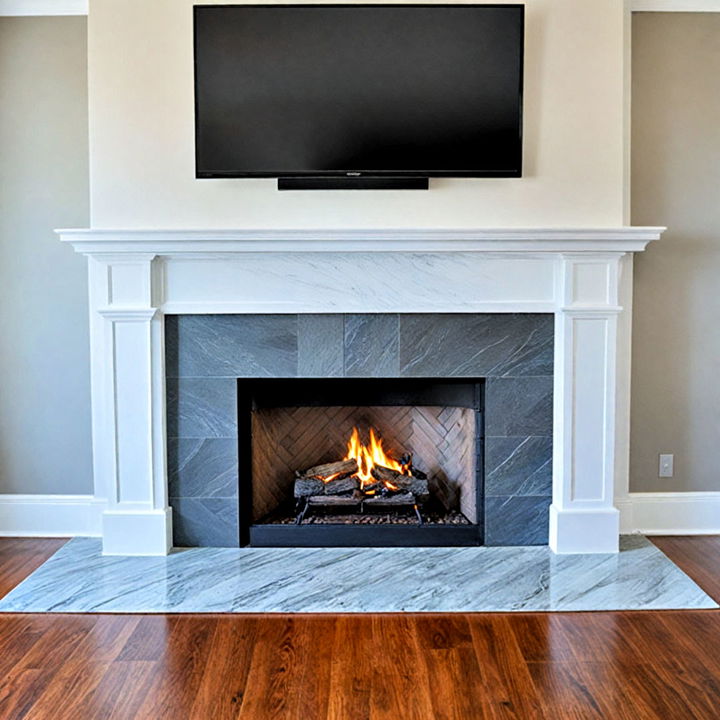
pixel 441 439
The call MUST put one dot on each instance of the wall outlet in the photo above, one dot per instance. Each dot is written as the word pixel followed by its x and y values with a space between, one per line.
pixel 666 466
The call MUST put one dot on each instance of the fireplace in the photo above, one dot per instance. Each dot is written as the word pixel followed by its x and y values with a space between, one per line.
pixel 360 461
pixel 165 442
pixel 254 399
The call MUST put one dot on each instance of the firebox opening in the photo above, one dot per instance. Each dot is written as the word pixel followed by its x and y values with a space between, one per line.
pixel 360 462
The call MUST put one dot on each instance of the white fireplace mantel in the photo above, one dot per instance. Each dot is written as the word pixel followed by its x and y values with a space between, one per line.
pixel 582 275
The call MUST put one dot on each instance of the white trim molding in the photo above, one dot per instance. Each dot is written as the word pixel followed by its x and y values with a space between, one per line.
pixel 50 515
pixel 524 240
pixel 137 276
pixel 674 5
pixel 36 8
pixel 670 513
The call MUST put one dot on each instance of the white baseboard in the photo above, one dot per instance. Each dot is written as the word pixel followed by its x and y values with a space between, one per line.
pixel 670 513
pixel 50 515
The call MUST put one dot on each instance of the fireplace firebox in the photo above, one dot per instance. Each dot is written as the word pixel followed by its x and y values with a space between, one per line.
pixel 360 461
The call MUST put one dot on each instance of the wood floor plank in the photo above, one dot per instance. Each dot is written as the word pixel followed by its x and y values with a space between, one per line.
pixel 180 670
pixel 698 556
pixel 20 556
pixel 122 690
pixel 456 681
pixel 400 684
pixel 352 669
pixel 614 665
pixel 222 687
pixel 277 669
pixel 502 666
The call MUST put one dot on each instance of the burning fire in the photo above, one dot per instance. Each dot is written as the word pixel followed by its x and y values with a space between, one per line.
pixel 368 456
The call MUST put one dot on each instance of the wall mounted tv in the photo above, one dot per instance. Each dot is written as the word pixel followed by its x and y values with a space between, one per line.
pixel 358 96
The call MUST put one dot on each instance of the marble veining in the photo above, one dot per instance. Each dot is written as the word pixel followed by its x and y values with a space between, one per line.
pixel 231 345
pixel 518 465
pixel 491 345
pixel 201 407
pixel 320 345
pixel 235 580
pixel 514 519
pixel 202 467
pixel 371 346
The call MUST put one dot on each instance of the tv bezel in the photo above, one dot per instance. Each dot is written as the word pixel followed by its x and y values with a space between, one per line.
pixel 354 173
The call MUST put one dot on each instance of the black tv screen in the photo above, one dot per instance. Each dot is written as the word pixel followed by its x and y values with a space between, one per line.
pixel 305 90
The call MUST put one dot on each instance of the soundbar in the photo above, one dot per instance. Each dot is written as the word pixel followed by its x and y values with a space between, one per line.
pixel 351 182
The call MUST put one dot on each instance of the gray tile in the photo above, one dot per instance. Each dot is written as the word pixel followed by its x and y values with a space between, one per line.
pixel 516 520
pixel 473 345
pixel 231 345
pixel 206 467
pixel 371 346
pixel 201 407
pixel 205 522
pixel 519 406
pixel 320 345
pixel 518 465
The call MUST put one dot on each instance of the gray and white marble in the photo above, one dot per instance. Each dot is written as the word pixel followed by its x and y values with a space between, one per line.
pixel 315 580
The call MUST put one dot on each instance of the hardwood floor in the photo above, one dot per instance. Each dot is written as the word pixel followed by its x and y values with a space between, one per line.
pixel 632 666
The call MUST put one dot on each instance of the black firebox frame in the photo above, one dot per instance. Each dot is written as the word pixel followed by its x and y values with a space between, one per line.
pixel 254 393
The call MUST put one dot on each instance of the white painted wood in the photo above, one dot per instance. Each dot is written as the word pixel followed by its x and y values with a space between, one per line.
pixel 524 240
pixel 675 5
pixel 50 515
pixel 138 276
pixel 584 440
pixel 128 391
pixel 137 531
pixel 671 513
pixel 622 389
pixel 20 8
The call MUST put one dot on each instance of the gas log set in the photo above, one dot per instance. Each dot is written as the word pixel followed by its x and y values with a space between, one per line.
pixel 367 478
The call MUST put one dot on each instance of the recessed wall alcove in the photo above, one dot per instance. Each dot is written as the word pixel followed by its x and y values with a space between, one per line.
pixel 512 354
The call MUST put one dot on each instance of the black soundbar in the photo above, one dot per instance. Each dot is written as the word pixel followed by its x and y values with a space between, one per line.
pixel 363 182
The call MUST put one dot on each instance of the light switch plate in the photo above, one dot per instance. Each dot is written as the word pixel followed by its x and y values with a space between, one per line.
pixel 666 466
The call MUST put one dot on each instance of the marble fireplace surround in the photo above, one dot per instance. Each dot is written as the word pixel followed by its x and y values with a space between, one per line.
pixel 581 275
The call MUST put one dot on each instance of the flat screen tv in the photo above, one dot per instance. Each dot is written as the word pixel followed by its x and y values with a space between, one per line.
pixel 358 91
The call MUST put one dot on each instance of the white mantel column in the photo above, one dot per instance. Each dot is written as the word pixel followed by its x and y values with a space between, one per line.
pixel 128 389
pixel 582 516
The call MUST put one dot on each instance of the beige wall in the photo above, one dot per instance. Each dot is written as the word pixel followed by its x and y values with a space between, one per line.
pixel 44 363
pixel 141 134
pixel 676 182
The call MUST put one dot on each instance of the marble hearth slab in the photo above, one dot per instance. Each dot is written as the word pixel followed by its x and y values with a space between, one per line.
pixel 479 579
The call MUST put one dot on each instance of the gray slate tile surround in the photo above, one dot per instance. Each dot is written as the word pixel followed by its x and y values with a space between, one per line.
pixel 206 353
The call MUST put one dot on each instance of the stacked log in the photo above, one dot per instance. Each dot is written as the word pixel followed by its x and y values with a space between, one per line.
pixel 336 484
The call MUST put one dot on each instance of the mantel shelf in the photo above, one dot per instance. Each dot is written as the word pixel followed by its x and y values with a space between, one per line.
pixel 516 240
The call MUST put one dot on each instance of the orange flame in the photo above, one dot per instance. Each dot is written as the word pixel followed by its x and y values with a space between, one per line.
pixel 368 456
